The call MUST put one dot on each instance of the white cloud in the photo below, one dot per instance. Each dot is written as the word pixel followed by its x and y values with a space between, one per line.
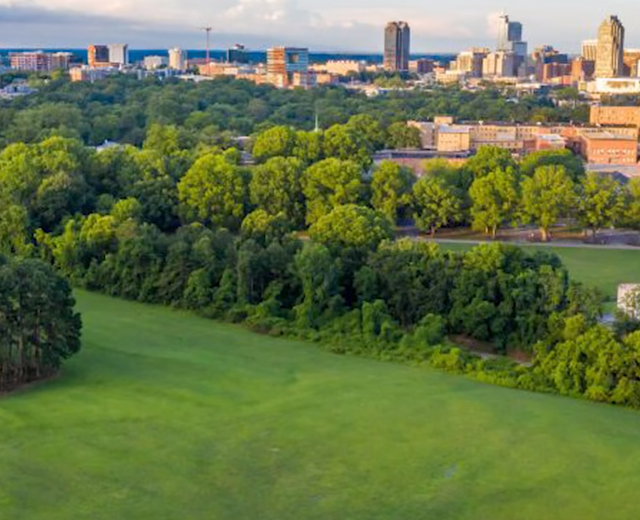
pixel 336 24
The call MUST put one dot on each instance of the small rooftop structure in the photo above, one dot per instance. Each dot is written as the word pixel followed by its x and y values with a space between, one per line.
pixel 107 145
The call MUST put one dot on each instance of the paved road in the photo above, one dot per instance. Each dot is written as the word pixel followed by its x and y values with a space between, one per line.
pixel 559 243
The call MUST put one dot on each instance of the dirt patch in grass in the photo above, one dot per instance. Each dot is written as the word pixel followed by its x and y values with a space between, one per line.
pixel 488 350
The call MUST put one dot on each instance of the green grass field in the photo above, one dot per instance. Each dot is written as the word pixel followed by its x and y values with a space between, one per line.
pixel 167 416
pixel 603 268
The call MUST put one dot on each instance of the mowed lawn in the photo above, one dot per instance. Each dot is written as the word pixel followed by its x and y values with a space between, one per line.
pixel 603 268
pixel 166 416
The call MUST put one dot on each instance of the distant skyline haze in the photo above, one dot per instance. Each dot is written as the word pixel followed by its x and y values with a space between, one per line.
pixel 331 25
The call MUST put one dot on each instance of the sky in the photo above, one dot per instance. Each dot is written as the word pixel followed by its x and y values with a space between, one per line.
pixel 321 25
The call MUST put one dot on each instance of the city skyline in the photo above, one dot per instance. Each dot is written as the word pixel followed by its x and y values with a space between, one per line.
pixel 262 23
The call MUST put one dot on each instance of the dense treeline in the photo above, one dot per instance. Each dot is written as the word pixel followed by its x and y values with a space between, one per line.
pixel 38 326
pixel 196 230
pixel 188 223
pixel 489 192
pixel 123 109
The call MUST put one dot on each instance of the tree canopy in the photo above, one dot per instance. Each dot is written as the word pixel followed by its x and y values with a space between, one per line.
pixel 39 327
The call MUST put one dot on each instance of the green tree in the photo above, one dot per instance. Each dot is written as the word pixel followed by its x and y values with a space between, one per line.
pixel 309 147
pixel 278 141
pixel 367 126
pixel 489 159
pixel 632 213
pixel 329 184
pixel 214 192
pixel 19 175
pixel 391 189
pixel 276 187
pixel 40 328
pixel 572 163
pixel 435 204
pixel 319 277
pixel 264 227
pixel 546 197
pixel 601 202
pixel 352 226
pixel 345 143
pixel 58 196
pixel 15 237
pixel 163 139
pixel 495 200
pixel 402 136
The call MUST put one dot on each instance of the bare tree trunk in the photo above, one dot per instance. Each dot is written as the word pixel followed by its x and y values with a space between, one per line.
pixel 546 236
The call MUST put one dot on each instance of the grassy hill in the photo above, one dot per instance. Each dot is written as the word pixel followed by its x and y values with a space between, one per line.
pixel 166 416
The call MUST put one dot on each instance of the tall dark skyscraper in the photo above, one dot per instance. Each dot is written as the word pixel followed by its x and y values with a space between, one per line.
pixel 397 46
pixel 510 41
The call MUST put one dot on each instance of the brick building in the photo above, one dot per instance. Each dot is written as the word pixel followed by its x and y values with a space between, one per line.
pixel 615 116
pixel 444 136
pixel 40 61
pixel 609 148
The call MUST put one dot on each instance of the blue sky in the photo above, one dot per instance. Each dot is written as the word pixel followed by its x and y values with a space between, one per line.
pixel 449 25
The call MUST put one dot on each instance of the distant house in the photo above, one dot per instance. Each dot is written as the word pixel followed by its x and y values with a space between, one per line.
pixel 107 145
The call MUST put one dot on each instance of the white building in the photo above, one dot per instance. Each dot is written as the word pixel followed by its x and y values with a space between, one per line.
pixel 614 86
pixel 119 54
pixel 154 62
pixel 177 59
pixel 340 67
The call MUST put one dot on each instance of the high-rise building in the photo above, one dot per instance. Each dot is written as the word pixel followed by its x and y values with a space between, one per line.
pixel 590 50
pixel 397 46
pixel 237 54
pixel 499 64
pixel 508 33
pixel 510 41
pixel 471 62
pixel 421 66
pixel 119 54
pixel 288 67
pixel 177 59
pixel 98 56
pixel 609 58
pixel 548 63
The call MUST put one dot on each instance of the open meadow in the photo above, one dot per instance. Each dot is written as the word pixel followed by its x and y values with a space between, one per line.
pixel 168 416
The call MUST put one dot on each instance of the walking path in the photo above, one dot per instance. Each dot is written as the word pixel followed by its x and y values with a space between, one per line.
pixel 559 243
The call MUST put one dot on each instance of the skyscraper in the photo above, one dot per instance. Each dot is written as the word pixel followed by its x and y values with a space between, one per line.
pixel 98 56
pixel 177 59
pixel 397 46
pixel 609 58
pixel 288 67
pixel 589 50
pixel 510 41
pixel 119 54
pixel 508 33
pixel 237 54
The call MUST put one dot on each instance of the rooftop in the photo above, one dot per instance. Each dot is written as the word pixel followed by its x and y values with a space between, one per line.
pixel 609 136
